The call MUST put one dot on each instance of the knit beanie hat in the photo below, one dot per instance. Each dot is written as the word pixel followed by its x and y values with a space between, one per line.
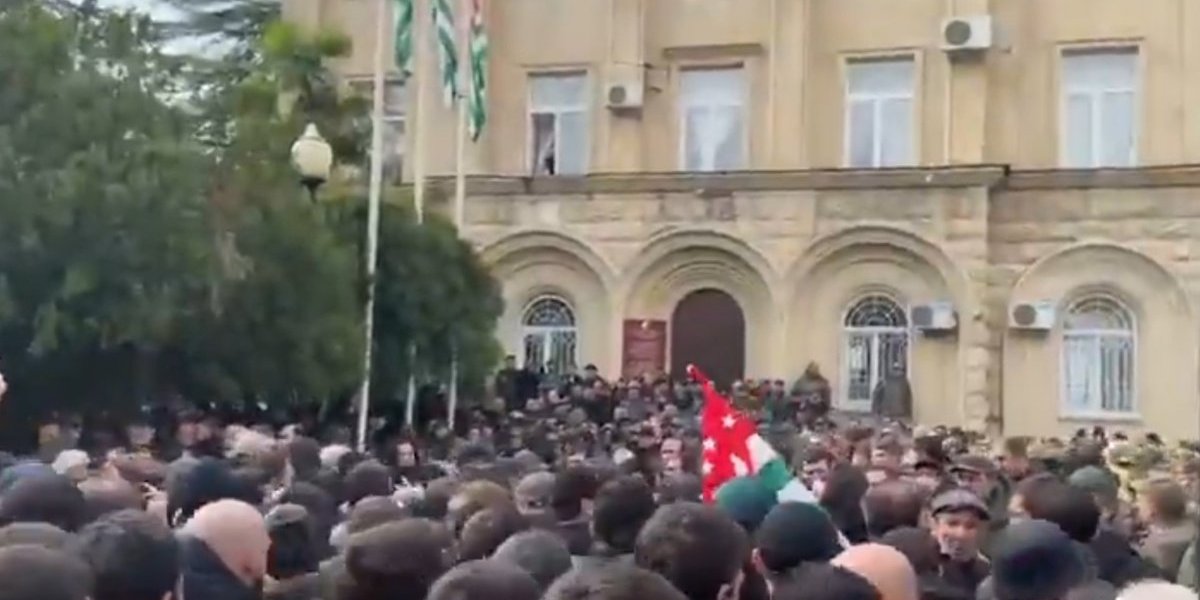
pixel 746 500
pixel 1094 480
pixel 1035 560
pixel 794 533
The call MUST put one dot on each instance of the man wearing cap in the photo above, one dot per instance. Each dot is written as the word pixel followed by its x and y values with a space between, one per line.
pixel 959 519
pixel 980 475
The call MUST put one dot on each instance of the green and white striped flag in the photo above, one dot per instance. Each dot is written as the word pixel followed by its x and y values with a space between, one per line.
pixel 402 26
pixel 446 38
pixel 479 63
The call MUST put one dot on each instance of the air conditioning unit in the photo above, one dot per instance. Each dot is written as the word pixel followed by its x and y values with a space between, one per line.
pixel 1032 316
pixel 625 94
pixel 935 316
pixel 964 34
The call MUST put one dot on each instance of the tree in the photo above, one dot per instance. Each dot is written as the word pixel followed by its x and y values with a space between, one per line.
pixel 433 294
pixel 432 290
pixel 156 242
pixel 105 241
pixel 286 324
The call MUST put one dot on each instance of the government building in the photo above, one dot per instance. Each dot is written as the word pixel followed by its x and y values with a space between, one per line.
pixel 998 198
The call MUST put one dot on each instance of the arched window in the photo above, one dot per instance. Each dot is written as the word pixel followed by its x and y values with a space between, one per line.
pixel 548 336
pixel 875 343
pixel 1098 357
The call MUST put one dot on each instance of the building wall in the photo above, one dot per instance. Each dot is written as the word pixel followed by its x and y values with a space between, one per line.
pixel 794 240
pixel 1054 237
pixel 795 249
pixel 1003 108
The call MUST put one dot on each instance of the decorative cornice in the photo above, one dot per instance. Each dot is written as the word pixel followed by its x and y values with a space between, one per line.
pixel 723 184
pixel 997 177
pixel 712 52
pixel 1140 177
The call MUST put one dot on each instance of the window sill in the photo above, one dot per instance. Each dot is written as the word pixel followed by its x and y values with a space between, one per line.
pixel 1105 417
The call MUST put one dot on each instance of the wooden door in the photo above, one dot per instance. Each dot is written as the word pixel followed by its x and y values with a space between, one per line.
pixel 708 329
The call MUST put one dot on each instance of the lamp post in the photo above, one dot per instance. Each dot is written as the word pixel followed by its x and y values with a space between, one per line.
pixel 312 158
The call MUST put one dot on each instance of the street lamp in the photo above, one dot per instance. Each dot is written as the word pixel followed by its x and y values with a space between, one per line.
pixel 313 159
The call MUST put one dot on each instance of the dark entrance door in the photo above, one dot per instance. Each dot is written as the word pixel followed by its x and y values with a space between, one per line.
pixel 708 329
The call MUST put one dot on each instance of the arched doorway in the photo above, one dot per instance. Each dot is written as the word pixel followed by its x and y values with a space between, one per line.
pixel 708 329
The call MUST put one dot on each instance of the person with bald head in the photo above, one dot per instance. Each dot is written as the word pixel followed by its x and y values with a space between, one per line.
pixel 224 552
pixel 885 567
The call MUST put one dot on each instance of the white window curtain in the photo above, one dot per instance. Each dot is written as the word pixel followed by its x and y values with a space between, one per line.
pixel 713 106
pixel 558 116
pixel 1098 358
pixel 1099 121
pixel 879 113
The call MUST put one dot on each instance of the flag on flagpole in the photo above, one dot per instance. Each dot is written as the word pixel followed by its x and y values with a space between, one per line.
pixel 478 41
pixel 733 448
pixel 402 28
pixel 446 37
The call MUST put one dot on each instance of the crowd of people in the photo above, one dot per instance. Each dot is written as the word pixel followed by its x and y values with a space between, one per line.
pixel 576 488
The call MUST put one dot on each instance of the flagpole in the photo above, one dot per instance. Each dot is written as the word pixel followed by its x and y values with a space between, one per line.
pixel 416 124
pixel 421 73
pixel 462 29
pixel 410 403
pixel 375 194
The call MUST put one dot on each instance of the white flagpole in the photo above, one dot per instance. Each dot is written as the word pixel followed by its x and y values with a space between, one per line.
pixel 421 41
pixel 421 24
pixel 462 26
pixel 410 404
pixel 374 197
pixel 452 407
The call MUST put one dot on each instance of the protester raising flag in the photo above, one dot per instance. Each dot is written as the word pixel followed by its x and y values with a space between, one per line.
pixel 732 448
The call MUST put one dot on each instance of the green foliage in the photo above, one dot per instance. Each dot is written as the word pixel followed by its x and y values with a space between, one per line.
pixel 104 244
pixel 154 244
pixel 431 291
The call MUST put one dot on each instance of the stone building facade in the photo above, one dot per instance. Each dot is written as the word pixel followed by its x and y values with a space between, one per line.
pixel 819 180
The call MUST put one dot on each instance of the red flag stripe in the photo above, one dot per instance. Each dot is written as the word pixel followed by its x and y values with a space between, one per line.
pixel 726 432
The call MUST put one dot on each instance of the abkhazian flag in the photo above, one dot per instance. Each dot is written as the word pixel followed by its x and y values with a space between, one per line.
pixel 477 109
pixel 402 27
pixel 733 448
pixel 446 38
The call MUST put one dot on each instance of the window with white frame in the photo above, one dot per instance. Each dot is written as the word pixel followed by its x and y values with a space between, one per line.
pixel 395 97
pixel 712 119
pixel 558 123
pixel 1099 339
pixel 548 336
pixel 879 112
pixel 1099 108
pixel 875 348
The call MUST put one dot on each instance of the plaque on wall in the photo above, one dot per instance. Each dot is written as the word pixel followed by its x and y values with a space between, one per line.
pixel 644 344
